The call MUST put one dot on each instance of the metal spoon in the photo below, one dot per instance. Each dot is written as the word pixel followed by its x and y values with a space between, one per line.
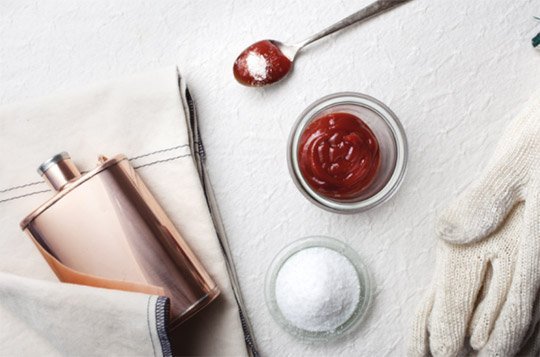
pixel 372 9
pixel 290 51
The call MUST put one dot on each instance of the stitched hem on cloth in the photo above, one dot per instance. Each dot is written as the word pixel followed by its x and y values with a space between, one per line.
pixel 162 320
pixel 140 161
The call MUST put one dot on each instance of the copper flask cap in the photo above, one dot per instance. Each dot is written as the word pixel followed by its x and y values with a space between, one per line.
pixel 58 171
pixel 104 228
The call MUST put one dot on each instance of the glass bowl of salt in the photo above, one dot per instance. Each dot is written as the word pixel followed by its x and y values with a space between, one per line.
pixel 317 288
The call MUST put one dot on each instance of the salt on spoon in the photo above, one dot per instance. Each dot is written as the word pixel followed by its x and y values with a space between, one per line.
pixel 269 61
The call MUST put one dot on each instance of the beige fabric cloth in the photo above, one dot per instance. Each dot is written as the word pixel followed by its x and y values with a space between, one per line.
pixel 145 118
pixel 41 318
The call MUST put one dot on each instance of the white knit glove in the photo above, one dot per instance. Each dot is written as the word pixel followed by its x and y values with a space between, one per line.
pixel 532 343
pixel 450 311
pixel 488 261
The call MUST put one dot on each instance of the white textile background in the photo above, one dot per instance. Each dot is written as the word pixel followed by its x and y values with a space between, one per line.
pixel 455 72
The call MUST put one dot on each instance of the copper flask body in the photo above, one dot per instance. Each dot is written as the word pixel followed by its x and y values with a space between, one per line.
pixel 105 229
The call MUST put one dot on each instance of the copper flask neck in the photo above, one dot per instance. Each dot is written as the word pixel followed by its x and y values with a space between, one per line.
pixel 59 170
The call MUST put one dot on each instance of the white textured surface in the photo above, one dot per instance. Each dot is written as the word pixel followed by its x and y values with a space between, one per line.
pixel 454 72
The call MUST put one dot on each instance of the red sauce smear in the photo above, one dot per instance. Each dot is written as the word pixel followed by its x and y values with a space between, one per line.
pixel 260 64
pixel 339 156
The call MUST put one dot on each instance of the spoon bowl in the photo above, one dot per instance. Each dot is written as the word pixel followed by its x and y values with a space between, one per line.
pixel 264 63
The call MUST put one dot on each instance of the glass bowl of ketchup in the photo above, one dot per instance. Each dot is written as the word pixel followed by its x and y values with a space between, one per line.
pixel 347 152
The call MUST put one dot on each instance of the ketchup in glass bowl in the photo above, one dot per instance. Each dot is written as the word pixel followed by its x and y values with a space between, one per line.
pixel 347 152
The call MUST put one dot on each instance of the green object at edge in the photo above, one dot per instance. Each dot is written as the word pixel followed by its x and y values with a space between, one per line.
pixel 536 40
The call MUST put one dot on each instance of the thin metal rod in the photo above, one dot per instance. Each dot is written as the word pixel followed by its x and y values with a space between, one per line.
pixel 363 14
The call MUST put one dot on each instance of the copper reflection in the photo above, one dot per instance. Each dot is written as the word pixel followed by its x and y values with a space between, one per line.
pixel 106 229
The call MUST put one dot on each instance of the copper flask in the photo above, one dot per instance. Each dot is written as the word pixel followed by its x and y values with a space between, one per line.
pixel 104 228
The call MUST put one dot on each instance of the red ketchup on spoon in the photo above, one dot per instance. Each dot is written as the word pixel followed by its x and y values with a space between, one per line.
pixel 338 156
pixel 261 64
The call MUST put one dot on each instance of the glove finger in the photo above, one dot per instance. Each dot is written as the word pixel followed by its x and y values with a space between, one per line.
pixel 483 206
pixel 418 343
pixel 454 306
pixel 517 312
pixel 511 327
pixel 496 287
pixel 498 277
pixel 531 347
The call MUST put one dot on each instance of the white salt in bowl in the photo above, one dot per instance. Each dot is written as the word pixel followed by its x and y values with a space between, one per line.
pixel 304 299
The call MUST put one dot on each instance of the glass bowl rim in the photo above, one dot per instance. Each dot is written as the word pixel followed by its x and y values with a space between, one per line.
pixel 364 278
pixel 389 119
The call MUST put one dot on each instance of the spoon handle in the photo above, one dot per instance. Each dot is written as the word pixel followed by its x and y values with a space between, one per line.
pixel 363 14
